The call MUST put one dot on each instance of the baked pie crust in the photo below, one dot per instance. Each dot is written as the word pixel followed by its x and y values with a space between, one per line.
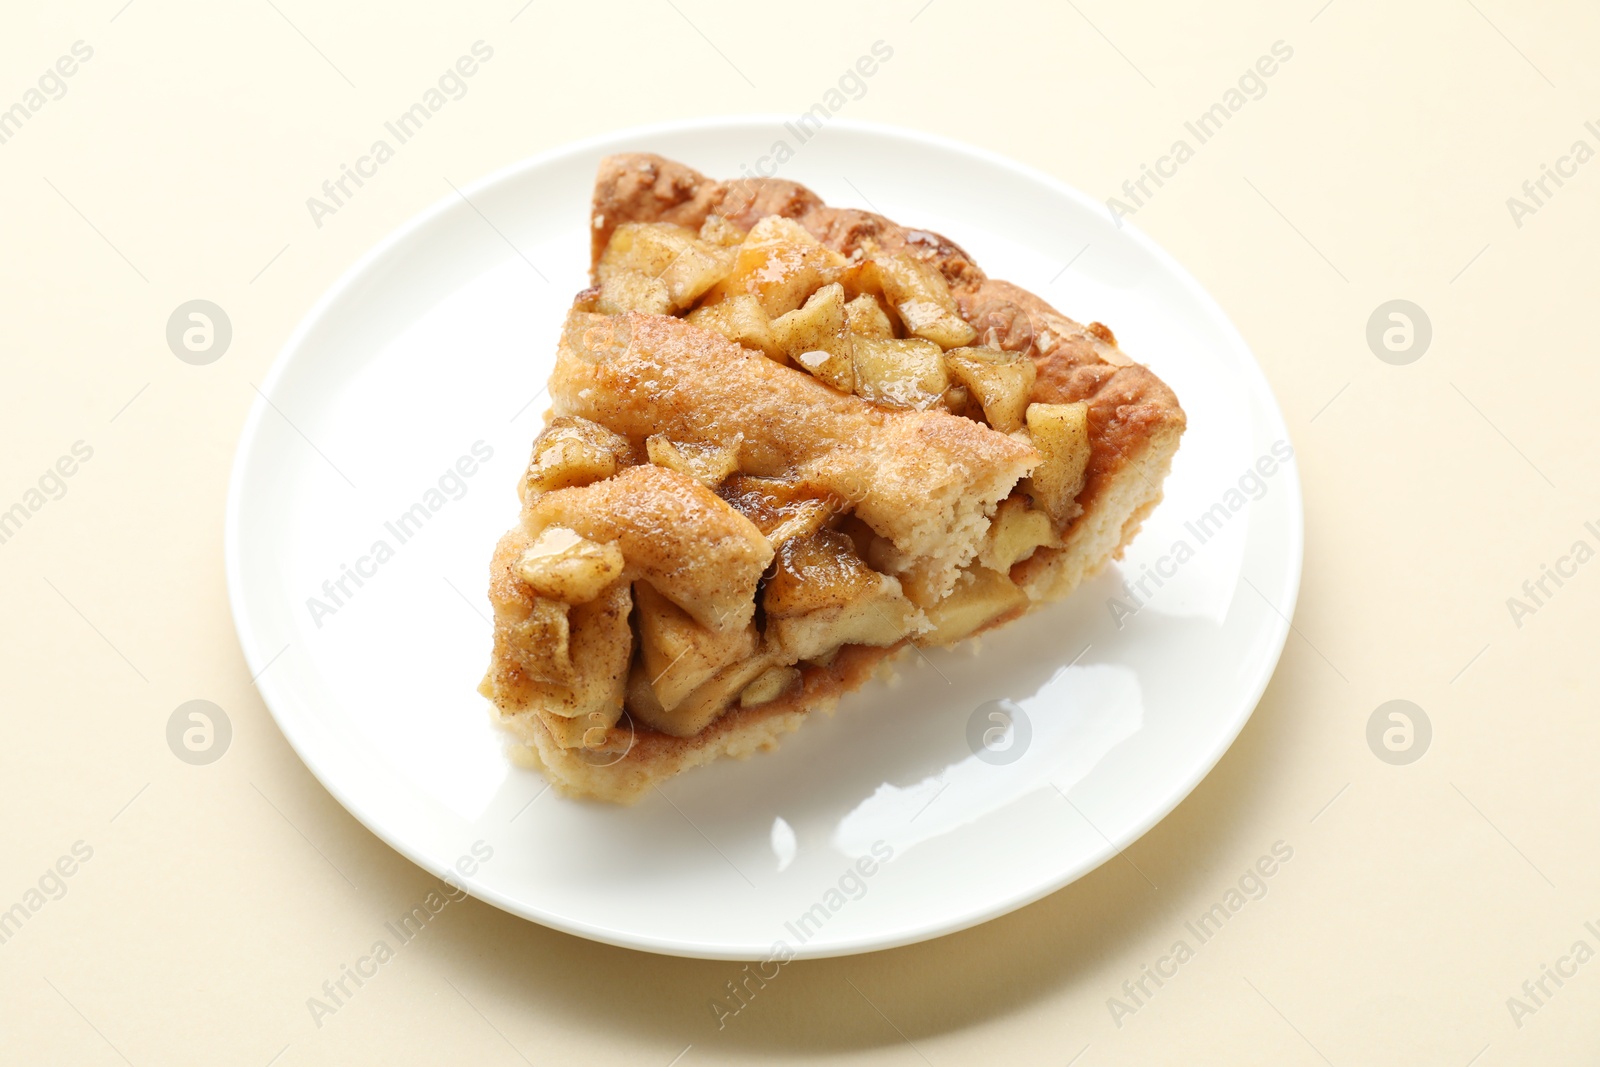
pixel 785 441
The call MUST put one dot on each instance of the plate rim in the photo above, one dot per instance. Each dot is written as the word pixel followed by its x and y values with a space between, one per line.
pixel 250 645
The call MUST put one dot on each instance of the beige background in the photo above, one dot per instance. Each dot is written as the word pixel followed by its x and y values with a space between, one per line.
pixel 1377 167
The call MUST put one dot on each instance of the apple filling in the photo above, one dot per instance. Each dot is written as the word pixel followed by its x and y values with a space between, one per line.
pixel 761 452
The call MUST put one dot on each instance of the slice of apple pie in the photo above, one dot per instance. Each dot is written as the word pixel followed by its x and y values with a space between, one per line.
pixel 785 441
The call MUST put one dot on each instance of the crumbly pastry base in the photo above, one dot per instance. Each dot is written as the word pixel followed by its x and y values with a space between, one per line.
pixel 1135 421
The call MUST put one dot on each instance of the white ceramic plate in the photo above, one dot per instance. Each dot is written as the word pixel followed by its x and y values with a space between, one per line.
pixel 411 389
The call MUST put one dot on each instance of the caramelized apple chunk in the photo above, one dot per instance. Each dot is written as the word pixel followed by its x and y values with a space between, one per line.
pixel 540 641
pixel 564 566
pixel 700 708
pixel 817 337
pixel 771 684
pixel 679 654
pixel 908 374
pixel 707 464
pixel 1061 434
pixel 601 646
pixel 573 451
pixel 1000 380
pixel 671 255
pixel 880 617
pixel 780 264
pixel 921 297
pixel 867 317
pixel 980 597
pixel 1015 533
pixel 571 660
pixel 946 328
pixel 779 509
pixel 821 570
pixel 742 320
pixel 823 596
pixel 629 290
